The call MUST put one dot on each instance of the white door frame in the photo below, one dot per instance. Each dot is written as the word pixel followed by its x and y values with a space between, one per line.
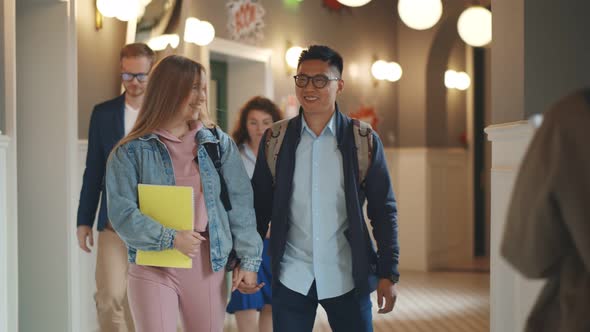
pixel 248 52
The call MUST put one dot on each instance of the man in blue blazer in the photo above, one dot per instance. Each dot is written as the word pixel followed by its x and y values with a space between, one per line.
pixel 110 121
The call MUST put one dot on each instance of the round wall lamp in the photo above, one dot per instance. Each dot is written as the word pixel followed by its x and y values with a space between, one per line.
pixel 198 32
pixel 457 80
pixel 420 14
pixel 354 3
pixel 160 43
pixel 292 56
pixel 386 71
pixel 475 26
pixel 123 10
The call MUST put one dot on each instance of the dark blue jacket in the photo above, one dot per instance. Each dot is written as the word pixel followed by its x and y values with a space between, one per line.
pixel 273 204
pixel 107 127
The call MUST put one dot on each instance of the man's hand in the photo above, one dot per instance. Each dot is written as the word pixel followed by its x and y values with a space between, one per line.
pixel 245 281
pixel 386 291
pixel 85 232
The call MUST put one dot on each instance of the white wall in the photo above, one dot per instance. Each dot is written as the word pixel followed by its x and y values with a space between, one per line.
pixel 47 136
pixel 8 175
pixel 245 80
pixel 511 296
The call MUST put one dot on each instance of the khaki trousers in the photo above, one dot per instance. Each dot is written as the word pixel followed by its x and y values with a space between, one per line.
pixel 111 284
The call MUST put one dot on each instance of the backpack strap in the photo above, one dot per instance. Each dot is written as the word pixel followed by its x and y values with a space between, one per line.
pixel 274 140
pixel 363 140
pixel 586 93
pixel 214 152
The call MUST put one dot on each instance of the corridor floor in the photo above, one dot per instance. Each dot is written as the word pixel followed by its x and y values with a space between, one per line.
pixel 428 302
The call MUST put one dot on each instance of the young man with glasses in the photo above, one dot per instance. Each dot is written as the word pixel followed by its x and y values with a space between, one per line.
pixel 110 121
pixel 321 251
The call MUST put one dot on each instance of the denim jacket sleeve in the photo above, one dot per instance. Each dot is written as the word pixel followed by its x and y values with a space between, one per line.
pixel 382 212
pixel 137 230
pixel 242 221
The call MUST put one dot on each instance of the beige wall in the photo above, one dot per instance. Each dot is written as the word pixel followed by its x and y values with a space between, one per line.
pixel 409 110
pixel 557 55
pixel 358 34
pixel 536 62
pixel 98 62
pixel 425 57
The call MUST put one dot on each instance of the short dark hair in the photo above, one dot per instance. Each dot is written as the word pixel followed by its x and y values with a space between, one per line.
pixel 137 50
pixel 240 133
pixel 324 53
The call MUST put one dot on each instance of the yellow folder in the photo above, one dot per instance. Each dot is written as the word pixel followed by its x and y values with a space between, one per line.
pixel 173 207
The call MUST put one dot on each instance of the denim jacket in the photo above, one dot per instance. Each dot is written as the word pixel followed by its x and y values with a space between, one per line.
pixel 147 160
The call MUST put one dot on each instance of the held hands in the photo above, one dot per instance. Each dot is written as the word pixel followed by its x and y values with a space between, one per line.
pixel 245 281
pixel 188 242
pixel 386 291
pixel 84 232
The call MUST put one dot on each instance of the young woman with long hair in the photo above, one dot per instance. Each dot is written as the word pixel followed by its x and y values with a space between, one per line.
pixel 257 115
pixel 166 147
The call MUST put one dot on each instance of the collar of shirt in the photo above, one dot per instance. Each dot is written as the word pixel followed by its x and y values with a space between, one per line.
pixel 329 128
pixel 193 128
pixel 248 152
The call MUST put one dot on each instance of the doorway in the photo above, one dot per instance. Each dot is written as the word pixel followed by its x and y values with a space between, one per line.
pixel 238 73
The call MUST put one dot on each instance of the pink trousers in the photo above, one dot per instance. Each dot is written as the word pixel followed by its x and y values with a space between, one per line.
pixel 158 295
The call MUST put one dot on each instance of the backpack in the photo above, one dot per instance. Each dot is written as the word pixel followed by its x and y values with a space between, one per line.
pixel 363 141
pixel 214 152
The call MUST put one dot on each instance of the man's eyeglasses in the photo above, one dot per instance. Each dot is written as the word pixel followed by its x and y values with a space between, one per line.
pixel 141 77
pixel 318 81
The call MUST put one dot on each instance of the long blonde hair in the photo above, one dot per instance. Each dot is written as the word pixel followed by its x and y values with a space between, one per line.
pixel 168 88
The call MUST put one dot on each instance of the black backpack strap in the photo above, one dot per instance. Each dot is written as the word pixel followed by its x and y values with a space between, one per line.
pixel 586 93
pixel 214 152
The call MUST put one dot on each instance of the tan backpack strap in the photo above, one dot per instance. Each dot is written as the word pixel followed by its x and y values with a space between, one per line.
pixel 274 140
pixel 363 139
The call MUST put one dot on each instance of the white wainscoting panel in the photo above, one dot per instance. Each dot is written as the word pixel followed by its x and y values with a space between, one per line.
pixel 432 187
pixel 86 262
pixel 450 209
pixel 511 296
pixel 407 168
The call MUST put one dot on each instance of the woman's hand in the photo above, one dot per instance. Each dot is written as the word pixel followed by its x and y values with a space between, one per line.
pixel 245 281
pixel 188 242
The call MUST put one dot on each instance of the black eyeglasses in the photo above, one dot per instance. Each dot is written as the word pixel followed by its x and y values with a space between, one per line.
pixel 318 81
pixel 127 77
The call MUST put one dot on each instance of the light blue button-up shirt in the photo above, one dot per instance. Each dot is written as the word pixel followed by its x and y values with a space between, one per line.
pixel 316 247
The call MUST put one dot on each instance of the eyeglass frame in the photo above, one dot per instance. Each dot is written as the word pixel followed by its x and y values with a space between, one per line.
pixel 311 79
pixel 135 76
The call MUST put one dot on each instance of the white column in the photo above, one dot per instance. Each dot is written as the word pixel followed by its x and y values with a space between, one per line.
pixel 511 296
pixel 47 164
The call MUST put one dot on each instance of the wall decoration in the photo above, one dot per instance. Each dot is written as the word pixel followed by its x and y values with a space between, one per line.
pixel 366 114
pixel 245 20
pixel 333 5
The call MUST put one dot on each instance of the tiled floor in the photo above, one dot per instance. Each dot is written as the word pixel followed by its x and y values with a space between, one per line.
pixel 428 302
